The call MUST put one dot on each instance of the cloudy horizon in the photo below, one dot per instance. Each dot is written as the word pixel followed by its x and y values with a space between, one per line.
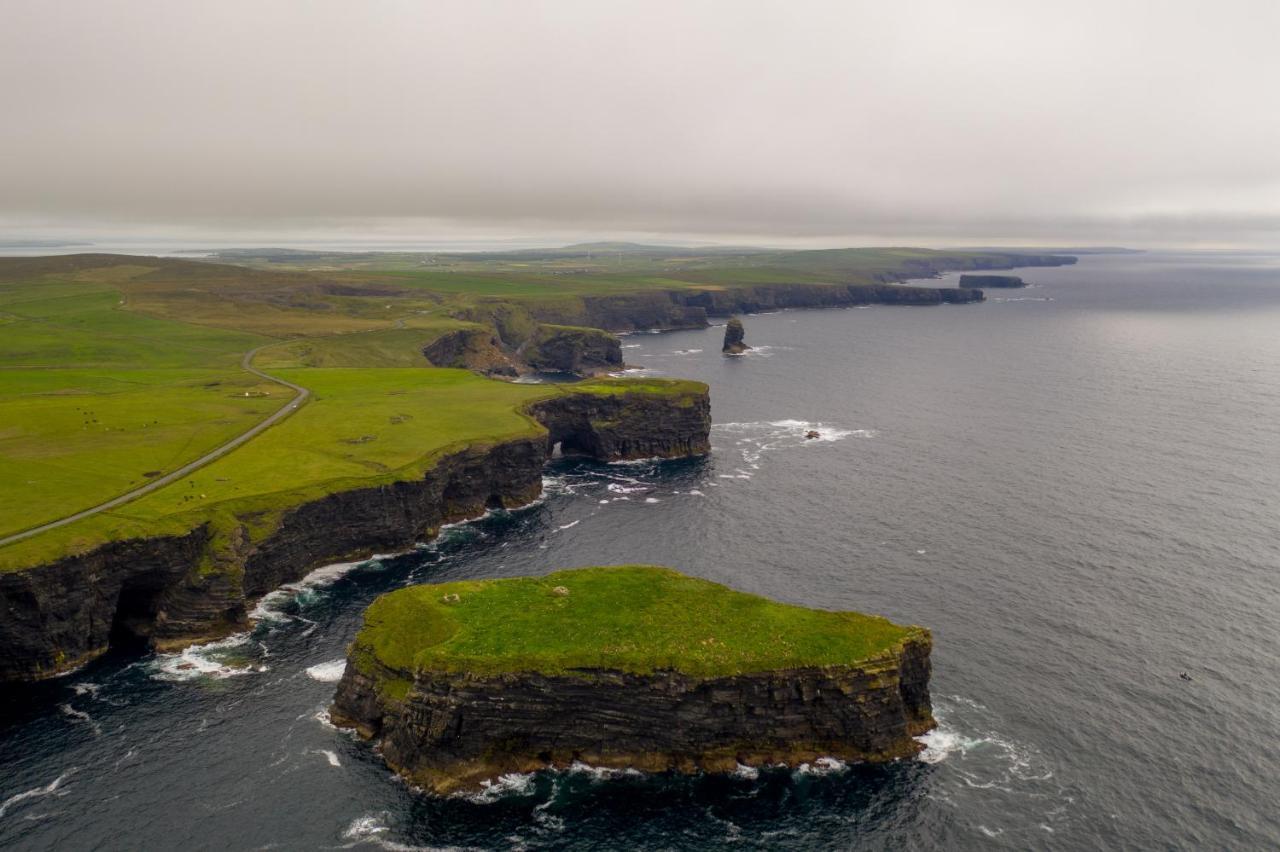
pixel 496 123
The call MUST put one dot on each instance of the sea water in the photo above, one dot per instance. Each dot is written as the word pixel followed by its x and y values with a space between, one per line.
pixel 1075 485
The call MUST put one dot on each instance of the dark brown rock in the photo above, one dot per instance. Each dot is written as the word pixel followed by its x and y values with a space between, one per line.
pixel 453 730
pixel 734 335
pixel 991 281
pixel 476 349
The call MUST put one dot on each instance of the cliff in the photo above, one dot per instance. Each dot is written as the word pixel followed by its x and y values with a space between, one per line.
pixel 170 590
pixel 572 349
pixel 625 667
pixel 516 320
pixel 477 349
pixel 991 281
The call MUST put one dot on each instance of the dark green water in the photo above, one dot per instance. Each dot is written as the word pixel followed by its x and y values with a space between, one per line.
pixel 1077 486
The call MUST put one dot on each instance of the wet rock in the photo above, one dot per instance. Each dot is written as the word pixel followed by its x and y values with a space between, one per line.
pixel 733 337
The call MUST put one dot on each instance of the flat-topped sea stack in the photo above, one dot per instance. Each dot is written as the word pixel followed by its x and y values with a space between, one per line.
pixel 625 666
pixel 991 281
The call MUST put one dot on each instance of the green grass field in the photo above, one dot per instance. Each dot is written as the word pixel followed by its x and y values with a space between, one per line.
pixel 115 370
pixel 632 618
pixel 364 426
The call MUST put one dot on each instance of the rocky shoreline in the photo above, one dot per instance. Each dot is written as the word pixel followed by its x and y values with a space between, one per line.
pixel 169 591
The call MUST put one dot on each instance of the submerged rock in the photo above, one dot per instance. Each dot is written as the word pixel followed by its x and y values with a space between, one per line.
pixel 733 337
pixel 635 667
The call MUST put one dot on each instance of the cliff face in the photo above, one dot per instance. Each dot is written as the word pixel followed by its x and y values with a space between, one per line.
pixel 173 590
pixel 628 426
pixel 476 349
pixel 570 349
pixel 452 730
pixel 991 281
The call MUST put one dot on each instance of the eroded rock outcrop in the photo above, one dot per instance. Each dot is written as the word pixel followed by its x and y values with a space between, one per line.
pixel 477 349
pixel 166 591
pixel 734 337
pixel 621 426
pixel 572 349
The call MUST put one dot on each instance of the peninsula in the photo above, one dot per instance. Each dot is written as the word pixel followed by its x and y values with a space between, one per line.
pixel 181 437
pixel 625 666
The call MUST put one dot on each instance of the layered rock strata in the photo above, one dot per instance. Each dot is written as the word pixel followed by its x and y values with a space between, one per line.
pixel 448 727
pixel 169 591
pixel 452 731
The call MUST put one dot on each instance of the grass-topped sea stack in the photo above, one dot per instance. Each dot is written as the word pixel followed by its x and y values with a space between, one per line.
pixel 625 667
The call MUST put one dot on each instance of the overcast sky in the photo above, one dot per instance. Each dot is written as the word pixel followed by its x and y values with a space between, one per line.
pixel 936 123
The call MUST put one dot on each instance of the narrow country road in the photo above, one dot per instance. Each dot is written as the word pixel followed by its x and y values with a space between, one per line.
pixel 301 396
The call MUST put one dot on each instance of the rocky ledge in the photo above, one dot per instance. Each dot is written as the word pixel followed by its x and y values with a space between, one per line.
pixel 171 590
pixel 996 281
pixel 625 666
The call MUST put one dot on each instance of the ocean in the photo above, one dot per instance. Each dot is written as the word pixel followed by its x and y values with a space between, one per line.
pixel 1075 485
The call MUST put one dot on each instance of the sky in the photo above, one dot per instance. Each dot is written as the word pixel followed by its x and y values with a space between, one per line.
pixel 919 122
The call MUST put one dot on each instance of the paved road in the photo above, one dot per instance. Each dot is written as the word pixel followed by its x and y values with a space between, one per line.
pixel 301 396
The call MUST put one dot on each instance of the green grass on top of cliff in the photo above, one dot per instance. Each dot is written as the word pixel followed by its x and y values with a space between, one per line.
pixel 363 428
pixel 646 385
pixel 116 369
pixel 632 618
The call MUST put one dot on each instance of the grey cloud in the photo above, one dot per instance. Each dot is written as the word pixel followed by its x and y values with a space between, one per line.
pixel 925 121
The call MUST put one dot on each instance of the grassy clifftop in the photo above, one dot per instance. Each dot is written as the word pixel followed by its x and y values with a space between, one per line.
pixel 364 427
pixel 635 619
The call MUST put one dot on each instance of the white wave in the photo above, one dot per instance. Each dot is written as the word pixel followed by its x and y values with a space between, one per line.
pixel 632 345
pixel 569 525
pixel 371 829
pixel 332 757
pixel 80 716
pixel 823 766
pixel 601 773
pixel 86 688
pixel 267 607
pixel 50 789
pixel 652 500
pixel 205 660
pixel 686 351
pixel 941 743
pixel 651 460
pixel 623 489
pixel 754 439
pixel 330 672
pixel 511 784
pixel 526 380
pixel 749 773
pixel 696 493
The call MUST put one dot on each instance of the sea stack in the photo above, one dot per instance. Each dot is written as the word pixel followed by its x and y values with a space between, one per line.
pixel 733 337
pixel 625 667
